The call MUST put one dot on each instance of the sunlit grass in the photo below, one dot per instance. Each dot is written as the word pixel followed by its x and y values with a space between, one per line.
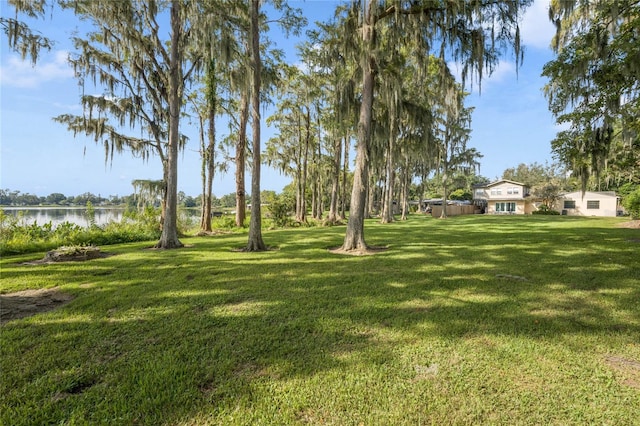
pixel 469 320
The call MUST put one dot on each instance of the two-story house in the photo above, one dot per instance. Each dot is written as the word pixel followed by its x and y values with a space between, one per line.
pixel 503 197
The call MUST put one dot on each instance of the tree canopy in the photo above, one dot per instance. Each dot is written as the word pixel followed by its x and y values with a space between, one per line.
pixel 594 85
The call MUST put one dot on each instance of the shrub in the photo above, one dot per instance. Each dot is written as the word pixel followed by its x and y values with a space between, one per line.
pixel 632 203
pixel 280 208
pixel 546 210
pixel 17 237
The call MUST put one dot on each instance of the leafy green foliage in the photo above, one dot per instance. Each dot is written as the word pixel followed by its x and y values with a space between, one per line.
pixel 19 237
pixel 460 194
pixel 593 84
pixel 545 210
pixel 632 203
pixel 280 209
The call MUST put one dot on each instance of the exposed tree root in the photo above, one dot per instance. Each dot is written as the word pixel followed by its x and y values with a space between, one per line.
pixel 366 251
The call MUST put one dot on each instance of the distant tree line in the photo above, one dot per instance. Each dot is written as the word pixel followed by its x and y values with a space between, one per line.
pixel 10 197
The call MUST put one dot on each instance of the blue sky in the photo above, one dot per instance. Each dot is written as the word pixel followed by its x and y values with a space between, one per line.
pixel 511 123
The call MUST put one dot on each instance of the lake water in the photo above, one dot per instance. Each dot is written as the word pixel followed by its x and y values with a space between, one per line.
pixel 77 215
pixel 57 215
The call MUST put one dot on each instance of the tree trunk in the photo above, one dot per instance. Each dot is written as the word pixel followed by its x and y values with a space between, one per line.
pixel 354 237
pixel 318 181
pixel 255 242
pixel 305 166
pixel 405 188
pixel 169 238
pixel 205 217
pixel 445 176
pixel 345 169
pixel 387 208
pixel 209 152
pixel 241 149
pixel 443 215
pixel 335 181
pixel 211 160
pixel 300 164
pixel 370 197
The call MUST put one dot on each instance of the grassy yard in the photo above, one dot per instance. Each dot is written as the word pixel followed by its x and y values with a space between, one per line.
pixel 469 320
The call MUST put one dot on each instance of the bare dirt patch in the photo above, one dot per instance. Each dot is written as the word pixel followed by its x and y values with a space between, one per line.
pixel 70 254
pixel 633 224
pixel 25 303
pixel 629 369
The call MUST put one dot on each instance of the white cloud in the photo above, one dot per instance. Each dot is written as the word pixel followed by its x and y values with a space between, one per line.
pixel 536 30
pixel 67 107
pixel 502 71
pixel 21 74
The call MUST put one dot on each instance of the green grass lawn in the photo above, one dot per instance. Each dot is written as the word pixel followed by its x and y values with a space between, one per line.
pixel 469 320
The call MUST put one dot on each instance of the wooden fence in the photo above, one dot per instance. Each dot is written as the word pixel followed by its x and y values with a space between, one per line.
pixel 436 211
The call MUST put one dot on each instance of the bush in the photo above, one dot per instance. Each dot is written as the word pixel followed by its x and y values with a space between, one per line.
pixel 226 222
pixel 632 204
pixel 546 210
pixel 280 208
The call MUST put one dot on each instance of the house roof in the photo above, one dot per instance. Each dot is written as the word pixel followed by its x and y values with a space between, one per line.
pixel 591 194
pixel 498 182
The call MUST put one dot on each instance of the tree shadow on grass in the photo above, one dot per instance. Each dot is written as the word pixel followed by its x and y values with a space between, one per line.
pixel 200 334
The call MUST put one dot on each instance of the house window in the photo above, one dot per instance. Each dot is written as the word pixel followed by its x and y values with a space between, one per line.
pixel 569 204
pixel 509 190
pixel 506 207
pixel 593 204
pixel 516 190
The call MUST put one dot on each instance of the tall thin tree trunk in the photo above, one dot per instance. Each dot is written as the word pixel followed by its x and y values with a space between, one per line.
pixel 209 154
pixel 169 238
pixel 370 198
pixel 205 217
pixel 345 169
pixel 211 158
pixel 335 181
pixel 255 242
pixel 445 176
pixel 305 166
pixel 405 188
pixel 241 150
pixel 354 237
pixel 319 174
pixel 300 164
pixel 387 208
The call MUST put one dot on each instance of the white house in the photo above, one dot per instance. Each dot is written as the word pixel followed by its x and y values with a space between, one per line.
pixel 503 197
pixel 589 204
